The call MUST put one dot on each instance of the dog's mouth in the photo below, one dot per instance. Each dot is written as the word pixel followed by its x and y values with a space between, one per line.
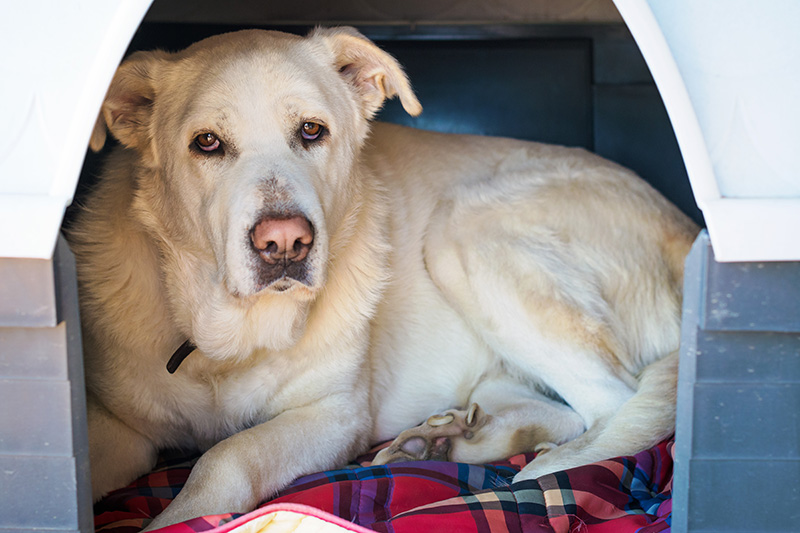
pixel 282 244
pixel 283 284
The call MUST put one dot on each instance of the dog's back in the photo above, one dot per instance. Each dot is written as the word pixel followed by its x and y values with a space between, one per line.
pixel 521 263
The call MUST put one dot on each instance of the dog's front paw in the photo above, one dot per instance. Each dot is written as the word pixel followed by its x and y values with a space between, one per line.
pixel 153 525
pixel 193 503
pixel 433 440
pixel 170 517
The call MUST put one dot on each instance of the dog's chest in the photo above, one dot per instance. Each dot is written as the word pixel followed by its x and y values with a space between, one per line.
pixel 211 406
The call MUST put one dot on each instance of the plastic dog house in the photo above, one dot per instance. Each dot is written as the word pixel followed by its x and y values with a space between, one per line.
pixel 728 73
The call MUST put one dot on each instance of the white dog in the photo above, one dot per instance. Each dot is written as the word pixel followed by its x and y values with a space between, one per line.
pixel 335 282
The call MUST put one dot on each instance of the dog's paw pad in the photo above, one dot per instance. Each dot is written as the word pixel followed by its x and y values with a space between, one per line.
pixel 413 446
pixel 432 440
pixel 420 448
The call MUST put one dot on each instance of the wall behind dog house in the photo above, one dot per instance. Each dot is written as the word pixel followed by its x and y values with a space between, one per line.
pixel 578 80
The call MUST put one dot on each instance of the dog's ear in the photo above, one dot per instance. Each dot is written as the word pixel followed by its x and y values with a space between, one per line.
pixel 128 105
pixel 375 75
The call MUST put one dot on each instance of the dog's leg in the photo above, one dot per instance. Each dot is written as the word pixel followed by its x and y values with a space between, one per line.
pixel 251 466
pixel 117 453
pixel 539 300
pixel 642 422
pixel 504 418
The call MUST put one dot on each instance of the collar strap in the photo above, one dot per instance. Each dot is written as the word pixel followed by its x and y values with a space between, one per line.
pixel 180 354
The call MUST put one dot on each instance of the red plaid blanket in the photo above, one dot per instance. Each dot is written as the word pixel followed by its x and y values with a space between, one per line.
pixel 626 494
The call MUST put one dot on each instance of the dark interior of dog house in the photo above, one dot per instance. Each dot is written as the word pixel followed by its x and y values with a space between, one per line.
pixel 571 75
pixel 574 84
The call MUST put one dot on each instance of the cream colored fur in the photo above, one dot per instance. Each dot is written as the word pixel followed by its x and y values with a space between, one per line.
pixel 541 283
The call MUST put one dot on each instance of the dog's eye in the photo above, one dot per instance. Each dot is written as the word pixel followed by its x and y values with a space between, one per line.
pixel 207 142
pixel 311 131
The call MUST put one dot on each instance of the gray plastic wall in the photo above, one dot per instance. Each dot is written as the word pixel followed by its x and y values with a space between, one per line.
pixel 737 448
pixel 44 464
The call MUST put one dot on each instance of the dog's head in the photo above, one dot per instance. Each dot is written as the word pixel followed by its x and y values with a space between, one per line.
pixel 250 142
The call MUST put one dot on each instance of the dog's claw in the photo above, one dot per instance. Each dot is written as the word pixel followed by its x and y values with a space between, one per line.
pixel 473 414
pixel 432 440
pixel 440 420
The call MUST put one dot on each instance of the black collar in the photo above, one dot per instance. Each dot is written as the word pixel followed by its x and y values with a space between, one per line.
pixel 180 354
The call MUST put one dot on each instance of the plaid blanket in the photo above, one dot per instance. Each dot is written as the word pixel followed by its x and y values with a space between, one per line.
pixel 626 494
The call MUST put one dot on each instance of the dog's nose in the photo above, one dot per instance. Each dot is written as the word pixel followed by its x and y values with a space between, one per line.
pixel 282 239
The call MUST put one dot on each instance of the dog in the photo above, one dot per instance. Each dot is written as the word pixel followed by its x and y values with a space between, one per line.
pixel 268 276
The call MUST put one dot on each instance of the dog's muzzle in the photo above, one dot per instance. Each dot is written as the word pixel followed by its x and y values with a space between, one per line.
pixel 282 244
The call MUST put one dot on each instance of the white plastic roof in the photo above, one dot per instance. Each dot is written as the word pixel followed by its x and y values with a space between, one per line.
pixel 729 74
pixel 60 59
pixel 728 71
